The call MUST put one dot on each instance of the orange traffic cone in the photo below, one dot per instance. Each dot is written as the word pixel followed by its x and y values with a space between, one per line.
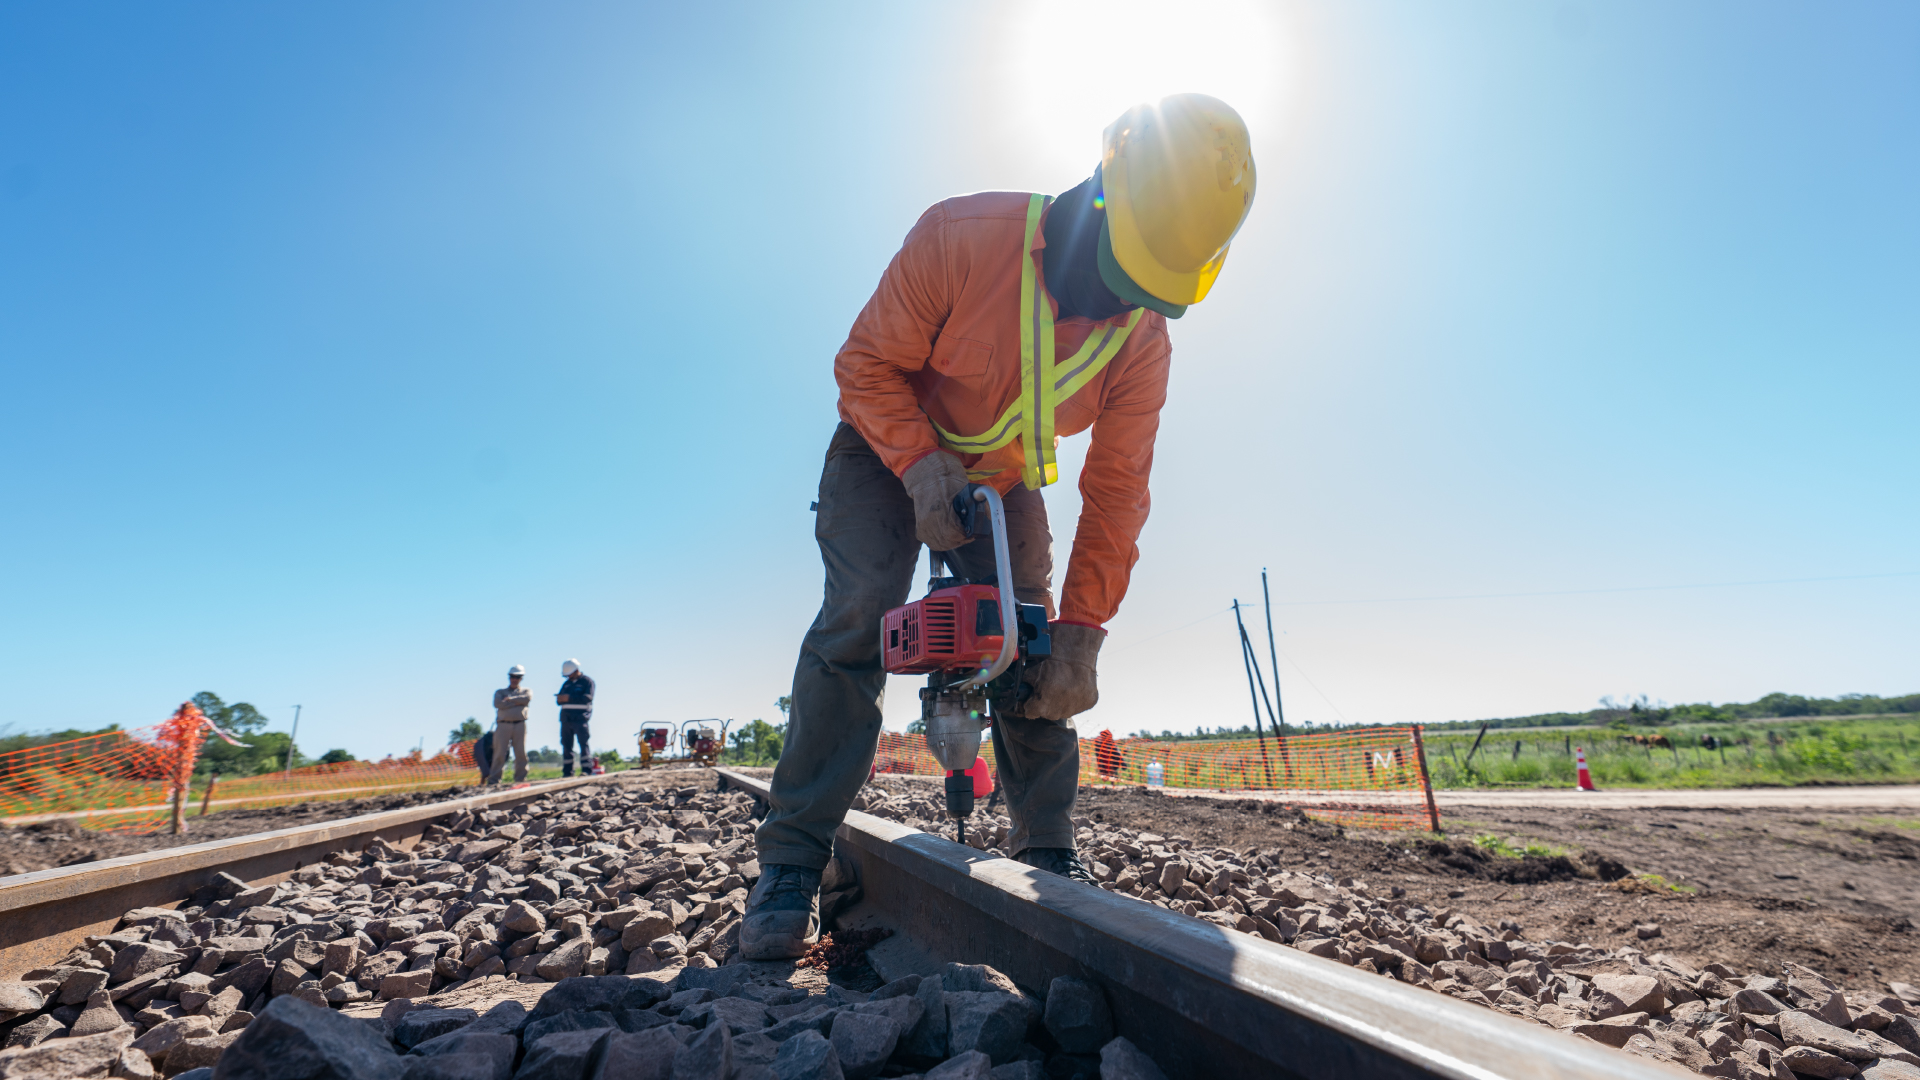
pixel 1585 778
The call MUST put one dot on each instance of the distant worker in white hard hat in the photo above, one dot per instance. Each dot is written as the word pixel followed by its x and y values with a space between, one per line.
pixel 576 709
pixel 510 727
pixel 1007 321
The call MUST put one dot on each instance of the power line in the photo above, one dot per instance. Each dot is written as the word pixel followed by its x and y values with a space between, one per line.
pixel 1177 629
pixel 1316 688
pixel 1519 595
pixel 1492 596
pixel 1594 592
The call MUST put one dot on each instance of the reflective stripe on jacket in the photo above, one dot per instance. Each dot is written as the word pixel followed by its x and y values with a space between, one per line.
pixel 578 690
pixel 939 349
pixel 1043 383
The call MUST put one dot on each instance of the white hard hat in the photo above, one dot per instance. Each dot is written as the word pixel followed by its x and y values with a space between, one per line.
pixel 570 667
pixel 516 670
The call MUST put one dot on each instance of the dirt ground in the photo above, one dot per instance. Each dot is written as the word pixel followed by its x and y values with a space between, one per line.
pixel 1837 891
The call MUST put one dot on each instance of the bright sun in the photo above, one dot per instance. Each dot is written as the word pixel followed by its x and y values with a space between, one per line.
pixel 1077 66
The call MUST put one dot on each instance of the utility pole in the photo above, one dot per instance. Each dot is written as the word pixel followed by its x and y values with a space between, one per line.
pixel 1273 650
pixel 288 768
pixel 1253 672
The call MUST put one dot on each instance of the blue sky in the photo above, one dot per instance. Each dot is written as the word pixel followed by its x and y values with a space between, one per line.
pixel 355 353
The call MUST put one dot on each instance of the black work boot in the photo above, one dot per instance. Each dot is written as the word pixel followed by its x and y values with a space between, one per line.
pixel 783 914
pixel 1057 860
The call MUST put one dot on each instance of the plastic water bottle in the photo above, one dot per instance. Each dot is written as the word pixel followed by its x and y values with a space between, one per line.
pixel 1156 775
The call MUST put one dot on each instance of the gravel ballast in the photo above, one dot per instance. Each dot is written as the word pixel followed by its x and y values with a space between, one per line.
pixel 592 933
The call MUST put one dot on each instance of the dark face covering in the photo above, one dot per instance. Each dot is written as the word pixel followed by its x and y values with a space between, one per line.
pixel 1071 258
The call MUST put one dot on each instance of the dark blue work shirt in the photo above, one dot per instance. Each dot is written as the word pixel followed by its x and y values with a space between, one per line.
pixel 579 691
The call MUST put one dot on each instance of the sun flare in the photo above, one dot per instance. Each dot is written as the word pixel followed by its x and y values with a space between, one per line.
pixel 1077 66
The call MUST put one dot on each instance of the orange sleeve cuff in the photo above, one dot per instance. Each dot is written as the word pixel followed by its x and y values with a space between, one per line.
pixel 915 459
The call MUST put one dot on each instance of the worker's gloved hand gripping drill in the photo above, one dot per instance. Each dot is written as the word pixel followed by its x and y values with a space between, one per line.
pixel 933 481
pixel 1063 684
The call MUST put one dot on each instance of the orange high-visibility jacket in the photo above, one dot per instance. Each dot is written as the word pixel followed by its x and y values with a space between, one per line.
pixel 940 341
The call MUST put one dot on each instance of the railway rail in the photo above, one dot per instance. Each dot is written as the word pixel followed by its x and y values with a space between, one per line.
pixel 1201 1000
pixel 45 913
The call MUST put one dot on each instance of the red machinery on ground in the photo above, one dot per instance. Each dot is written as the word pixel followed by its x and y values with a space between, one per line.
pixel 653 740
pixel 956 635
pixel 703 744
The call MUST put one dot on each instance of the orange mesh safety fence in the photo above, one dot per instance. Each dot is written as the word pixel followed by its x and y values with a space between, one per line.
pixel 1370 777
pixel 127 779
pixel 909 754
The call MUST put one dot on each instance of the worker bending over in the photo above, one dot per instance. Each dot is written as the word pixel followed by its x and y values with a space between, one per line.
pixel 1005 322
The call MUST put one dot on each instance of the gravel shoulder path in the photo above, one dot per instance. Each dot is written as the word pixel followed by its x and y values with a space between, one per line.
pixel 1893 798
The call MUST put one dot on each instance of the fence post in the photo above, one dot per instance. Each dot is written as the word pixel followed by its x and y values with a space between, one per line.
pixel 207 799
pixel 1476 744
pixel 1426 781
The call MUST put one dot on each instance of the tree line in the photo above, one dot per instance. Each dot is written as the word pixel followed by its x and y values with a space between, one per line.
pixel 266 751
pixel 1640 710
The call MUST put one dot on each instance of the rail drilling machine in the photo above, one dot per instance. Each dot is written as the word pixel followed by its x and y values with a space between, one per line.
pixel 973 641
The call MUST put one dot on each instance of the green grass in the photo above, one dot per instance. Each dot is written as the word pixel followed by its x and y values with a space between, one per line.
pixel 547 770
pixel 1501 846
pixel 1658 882
pixel 1757 753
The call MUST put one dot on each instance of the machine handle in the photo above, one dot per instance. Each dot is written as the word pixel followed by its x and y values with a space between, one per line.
pixel 1003 576
pixel 966 506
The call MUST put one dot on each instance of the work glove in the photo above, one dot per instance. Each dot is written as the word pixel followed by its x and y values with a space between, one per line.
pixel 933 481
pixel 1063 684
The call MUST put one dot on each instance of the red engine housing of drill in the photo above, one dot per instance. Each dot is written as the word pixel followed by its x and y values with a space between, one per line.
pixel 956 629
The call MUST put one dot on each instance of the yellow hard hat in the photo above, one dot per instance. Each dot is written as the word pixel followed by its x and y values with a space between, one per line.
pixel 1178 180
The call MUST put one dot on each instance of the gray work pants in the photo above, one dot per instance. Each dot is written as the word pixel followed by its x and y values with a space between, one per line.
pixel 509 735
pixel 866 532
